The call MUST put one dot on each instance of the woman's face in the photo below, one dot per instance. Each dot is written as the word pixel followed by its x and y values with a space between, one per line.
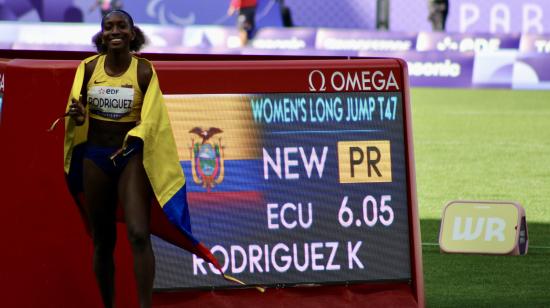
pixel 117 32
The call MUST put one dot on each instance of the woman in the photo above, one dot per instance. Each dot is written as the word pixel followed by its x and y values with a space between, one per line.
pixel 120 151
pixel 110 104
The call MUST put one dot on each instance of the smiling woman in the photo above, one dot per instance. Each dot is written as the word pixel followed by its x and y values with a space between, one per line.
pixel 108 108
pixel 120 151
pixel 104 149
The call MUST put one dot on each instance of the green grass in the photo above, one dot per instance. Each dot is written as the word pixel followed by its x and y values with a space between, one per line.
pixel 484 145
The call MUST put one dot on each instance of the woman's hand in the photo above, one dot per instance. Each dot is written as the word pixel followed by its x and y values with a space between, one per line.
pixel 77 111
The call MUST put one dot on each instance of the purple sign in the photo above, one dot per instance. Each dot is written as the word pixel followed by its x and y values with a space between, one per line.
pixel 435 69
pixel 284 39
pixel 497 16
pixel 211 37
pixel 531 71
pixel 494 69
pixel 52 10
pixel 512 69
pixel 535 43
pixel 53 46
pixel 182 13
pixel 359 40
pixel 9 33
pixel 444 42
pixel 204 12
pixel 162 37
pixel 175 12
pixel 298 52
pixel 467 16
pixel 360 14
pixel 56 36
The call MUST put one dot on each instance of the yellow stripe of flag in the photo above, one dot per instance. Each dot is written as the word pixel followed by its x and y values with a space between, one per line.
pixel 229 112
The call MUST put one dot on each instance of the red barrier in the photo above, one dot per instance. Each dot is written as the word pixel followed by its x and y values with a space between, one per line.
pixel 46 255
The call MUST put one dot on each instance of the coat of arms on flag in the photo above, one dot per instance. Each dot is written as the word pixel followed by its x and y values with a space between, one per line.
pixel 207 162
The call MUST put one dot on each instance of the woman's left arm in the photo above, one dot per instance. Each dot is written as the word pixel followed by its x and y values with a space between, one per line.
pixel 144 74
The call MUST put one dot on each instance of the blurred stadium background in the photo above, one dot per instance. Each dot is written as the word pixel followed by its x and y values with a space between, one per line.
pixel 476 135
pixel 486 43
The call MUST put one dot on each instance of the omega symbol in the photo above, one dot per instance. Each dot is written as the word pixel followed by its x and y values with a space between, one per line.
pixel 322 87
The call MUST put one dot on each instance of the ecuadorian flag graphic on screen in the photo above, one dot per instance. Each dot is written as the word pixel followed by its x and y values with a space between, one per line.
pixel 219 146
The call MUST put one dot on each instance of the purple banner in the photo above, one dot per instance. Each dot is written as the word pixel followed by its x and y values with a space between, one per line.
pixel 512 69
pixel 494 69
pixel 162 36
pixel 203 12
pixel 52 10
pixel 211 37
pixel 290 39
pixel 78 37
pixel 445 42
pixel 359 40
pixel 435 69
pixel 535 43
pixel 298 52
pixel 435 59
pixel 9 31
pixel 531 71
pixel 465 16
pixel 360 14
pixel 56 36
pixel 174 12
pixel 497 16
pixel 182 13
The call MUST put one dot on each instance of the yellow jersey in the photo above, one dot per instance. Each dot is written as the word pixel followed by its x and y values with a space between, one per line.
pixel 114 98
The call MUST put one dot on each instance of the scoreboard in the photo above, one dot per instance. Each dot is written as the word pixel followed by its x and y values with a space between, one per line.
pixel 298 173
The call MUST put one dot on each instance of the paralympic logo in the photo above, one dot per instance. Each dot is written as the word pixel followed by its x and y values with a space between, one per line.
pixel 157 9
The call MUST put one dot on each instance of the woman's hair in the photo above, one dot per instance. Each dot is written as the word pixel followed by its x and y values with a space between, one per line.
pixel 135 45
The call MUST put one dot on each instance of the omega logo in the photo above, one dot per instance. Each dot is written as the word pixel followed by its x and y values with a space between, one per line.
pixel 322 87
pixel 366 80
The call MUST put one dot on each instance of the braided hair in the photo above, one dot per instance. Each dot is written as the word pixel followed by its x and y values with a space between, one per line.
pixel 135 45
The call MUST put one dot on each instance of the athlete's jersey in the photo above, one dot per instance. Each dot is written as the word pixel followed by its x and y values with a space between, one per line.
pixel 114 98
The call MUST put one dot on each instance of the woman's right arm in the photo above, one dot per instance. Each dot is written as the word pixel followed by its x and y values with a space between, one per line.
pixel 77 108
